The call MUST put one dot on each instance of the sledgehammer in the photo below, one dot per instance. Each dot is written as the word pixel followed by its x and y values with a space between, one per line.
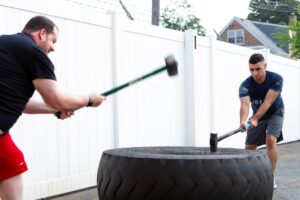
pixel 214 139
pixel 170 67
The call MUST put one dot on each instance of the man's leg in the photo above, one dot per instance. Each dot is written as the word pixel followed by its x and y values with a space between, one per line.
pixel 256 136
pixel 251 146
pixel 272 150
pixel 11 188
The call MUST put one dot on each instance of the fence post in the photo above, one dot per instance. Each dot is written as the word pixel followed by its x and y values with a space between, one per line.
pixel 190 46
pixel 266 53
pixel 116 56
pixel 212 72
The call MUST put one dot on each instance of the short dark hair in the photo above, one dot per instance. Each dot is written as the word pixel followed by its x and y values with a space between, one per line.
pixel 256 58
pixel 38 22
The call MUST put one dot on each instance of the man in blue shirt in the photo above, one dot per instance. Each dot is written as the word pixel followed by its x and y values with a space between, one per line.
pixel 263 91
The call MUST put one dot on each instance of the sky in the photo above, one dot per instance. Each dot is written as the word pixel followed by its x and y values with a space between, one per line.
pixel 214 14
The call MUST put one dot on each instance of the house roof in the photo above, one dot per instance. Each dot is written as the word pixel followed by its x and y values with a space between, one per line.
pixel 272 29
pixel 264 32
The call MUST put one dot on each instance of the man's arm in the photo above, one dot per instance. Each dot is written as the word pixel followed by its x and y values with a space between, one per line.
pixel 38 107
pixel 61 101
pixel 244 110
pixel 264 107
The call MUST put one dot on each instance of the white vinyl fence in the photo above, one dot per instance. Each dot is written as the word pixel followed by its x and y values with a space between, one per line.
pixel 96 52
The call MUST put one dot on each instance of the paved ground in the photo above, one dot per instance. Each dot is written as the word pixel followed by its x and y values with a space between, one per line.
pixel 287 177
pixel 287 174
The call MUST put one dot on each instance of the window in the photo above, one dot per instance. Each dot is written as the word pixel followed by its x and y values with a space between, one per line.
pixel 235 36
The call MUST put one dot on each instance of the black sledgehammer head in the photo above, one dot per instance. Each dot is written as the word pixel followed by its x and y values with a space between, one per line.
pixel 171 64
pixel 213 141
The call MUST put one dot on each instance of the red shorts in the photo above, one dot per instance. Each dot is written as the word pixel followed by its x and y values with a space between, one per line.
pixel 12 160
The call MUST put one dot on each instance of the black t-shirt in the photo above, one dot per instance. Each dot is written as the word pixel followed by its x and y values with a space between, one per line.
pixel 21 61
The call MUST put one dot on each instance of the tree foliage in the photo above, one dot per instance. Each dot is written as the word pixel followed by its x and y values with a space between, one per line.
pixel 180 16
pixel 292 39
pixel 273 11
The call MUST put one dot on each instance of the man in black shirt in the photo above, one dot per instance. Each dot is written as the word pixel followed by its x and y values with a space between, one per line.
pixel 24 68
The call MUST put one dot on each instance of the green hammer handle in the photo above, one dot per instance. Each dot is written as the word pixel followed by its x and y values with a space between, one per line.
pixel 120 87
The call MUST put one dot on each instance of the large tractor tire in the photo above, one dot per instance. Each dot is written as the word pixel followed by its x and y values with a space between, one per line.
pixel 184 173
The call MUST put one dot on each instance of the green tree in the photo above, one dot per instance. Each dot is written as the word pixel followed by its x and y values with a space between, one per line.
pixel 180 16
pixel 292 39
pixel 273 11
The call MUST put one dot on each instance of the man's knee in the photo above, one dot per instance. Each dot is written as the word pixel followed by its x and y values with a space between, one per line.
pixel 11 188
pixel 271 141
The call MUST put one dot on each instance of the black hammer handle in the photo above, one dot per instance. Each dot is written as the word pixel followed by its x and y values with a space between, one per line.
pixel 240 129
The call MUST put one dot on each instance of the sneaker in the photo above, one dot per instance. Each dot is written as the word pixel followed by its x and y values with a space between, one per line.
pixel 275 185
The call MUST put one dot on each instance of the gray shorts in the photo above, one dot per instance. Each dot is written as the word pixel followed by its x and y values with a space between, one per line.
pixel 271 125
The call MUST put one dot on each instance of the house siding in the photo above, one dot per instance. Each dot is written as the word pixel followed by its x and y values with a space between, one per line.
pixel 250 40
